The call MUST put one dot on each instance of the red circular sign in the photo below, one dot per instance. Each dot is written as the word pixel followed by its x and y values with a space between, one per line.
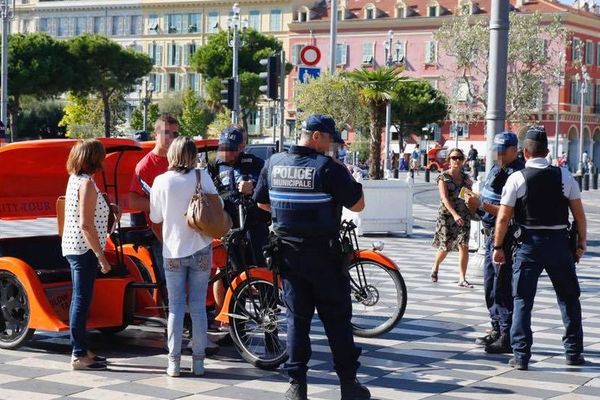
pixel 310 55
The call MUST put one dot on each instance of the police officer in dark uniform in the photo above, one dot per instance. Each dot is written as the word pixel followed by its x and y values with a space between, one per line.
pixel 540 197
pixel 305 191
pixel 497 281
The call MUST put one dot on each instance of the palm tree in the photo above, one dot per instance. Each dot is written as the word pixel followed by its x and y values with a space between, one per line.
pixel 376 88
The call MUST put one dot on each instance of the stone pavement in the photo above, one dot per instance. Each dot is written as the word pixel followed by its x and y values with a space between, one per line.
pixel 431 354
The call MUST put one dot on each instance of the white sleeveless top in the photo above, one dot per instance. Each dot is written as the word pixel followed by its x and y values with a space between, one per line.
pixel 73 241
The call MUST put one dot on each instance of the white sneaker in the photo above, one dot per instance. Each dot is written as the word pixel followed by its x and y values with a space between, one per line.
pixel 173 369
pixel 198 367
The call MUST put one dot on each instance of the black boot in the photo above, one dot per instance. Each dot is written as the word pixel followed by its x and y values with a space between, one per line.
pixel 488 339
pixel 500 345
pixel 296 391
pixel 353 390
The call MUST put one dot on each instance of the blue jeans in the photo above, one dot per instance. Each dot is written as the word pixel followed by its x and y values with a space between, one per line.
pixel 192 272
pixel 497 284
pixel 549 250
pixel 83 274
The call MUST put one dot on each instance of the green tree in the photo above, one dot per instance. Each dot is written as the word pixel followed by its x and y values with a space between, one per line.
pixel 222 120
pixel 375 89
pixel 104 68
pixel 39 118
pixel 196 115
pixel 172 104
pixel 534 43
pixel 416 103
pixel 39 66
pixel 137 117
pixel 84 114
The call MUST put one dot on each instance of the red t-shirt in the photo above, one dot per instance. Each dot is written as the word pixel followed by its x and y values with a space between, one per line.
pixel 146 170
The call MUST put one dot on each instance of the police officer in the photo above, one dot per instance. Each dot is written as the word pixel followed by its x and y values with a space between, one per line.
pixel 305 191
pixel 540 197
pixel 497 281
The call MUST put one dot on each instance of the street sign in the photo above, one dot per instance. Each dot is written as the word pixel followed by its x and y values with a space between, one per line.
pixel 310 55
pixel 306 73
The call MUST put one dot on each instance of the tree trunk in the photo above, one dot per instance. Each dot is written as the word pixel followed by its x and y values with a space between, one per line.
pixel 245 121
pixel 106 105
pixel 375 150
pixel 14 113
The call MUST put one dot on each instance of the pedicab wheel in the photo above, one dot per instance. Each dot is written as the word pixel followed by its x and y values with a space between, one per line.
pixel 257 323
pixel 14 312
pixel 378 298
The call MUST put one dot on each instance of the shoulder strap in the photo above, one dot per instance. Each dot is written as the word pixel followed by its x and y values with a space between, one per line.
pixel 198 181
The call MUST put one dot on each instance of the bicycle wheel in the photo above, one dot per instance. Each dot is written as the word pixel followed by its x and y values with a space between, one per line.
pixel 378 298
pixel 258 324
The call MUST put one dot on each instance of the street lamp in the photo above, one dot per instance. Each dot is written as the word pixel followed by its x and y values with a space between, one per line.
pixel 234 25
pixel 559 81
pixel 389 61
pixel 145 97
pixel 7 9
pixel 583 81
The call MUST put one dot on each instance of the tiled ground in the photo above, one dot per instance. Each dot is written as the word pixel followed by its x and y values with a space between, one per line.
pixel 429 355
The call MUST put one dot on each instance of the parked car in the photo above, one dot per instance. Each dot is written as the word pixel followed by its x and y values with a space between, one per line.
pixel 264 150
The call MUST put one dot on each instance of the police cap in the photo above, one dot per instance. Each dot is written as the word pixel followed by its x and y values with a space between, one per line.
pixel 322 123
pixel 231 139
pixel 504 140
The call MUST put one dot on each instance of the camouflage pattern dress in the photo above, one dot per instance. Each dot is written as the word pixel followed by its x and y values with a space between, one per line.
pixel 448 235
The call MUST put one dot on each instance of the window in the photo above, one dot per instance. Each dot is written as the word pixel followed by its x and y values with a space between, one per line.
pixel 597 105
pixel 43 25
pixel 155 53
pixel 400 52
pixel 433 82
pixel 401 12
pixel 295 59
pixel 576 49
pixel 135 25
pixel 63 27
pixel 213 22
pixel 80 25
pixel 340 15
pixel 194 23
pixel 99 25
pixel 275 22
pixel 173 54
pixel 192 81
pixel 153 24
pixel 588 97
pixel 136 47
pixel 459 129
pixel 25 26
pixel 430 52
pixel 589 52
pixel 254 20
pixel 433 10
pixel 188 52
pixel 175 23
pixel 156 81
pixel 172 82
pixel 367 53
pixel 574 92
pixel 460 90
pixel 303 15
pixel 370 11
pixel 118 25
pixel 341 54
pixel 598 54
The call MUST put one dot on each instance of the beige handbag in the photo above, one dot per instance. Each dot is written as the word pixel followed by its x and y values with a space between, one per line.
pixel 205 213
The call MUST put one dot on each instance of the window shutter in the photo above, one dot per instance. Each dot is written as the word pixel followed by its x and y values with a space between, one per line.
pixel 158 55
pixel 186 55
pixel 179 54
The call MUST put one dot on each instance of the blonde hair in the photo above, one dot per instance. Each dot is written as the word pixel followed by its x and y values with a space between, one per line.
pixel 182 154
pixel 86 157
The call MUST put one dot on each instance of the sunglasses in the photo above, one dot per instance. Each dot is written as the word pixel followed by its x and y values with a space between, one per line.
pixel 457 158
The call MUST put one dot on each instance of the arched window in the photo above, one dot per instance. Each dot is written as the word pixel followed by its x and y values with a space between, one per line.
pixel 303 14
pixel 370 11
pixel 433 9
pixel 401 10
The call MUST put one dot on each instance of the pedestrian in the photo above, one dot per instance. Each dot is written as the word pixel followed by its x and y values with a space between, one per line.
pixel 83 241
pixel 497 282
pixel 187 253
pixel 540 197
pixel 305 192
pixel 415 159
pixel 453 223
pixel 562 162
pixel 472 156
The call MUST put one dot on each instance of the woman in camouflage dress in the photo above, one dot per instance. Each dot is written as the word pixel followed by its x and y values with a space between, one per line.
pixel 453 221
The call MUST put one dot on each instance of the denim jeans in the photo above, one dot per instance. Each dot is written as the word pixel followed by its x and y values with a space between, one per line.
pixel 192 272
pixel 497 284
pixel 83 274
pixel 545 249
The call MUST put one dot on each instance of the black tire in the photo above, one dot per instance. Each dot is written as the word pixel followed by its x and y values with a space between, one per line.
pixel 14 312
pixel 112 330
pixel 378 298
pixel 262 344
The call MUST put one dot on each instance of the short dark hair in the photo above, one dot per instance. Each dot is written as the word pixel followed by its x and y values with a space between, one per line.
pixel 536 149
pixel 166 118
pixel 455 150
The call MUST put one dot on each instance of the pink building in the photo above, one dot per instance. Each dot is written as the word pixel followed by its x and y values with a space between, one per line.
pixel 363 27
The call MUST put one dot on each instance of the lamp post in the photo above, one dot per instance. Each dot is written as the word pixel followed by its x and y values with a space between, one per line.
pixel 583 81
pixel 7 10
pixel 145 97
pixel 389 61
pixel 559 81
pixel 234 25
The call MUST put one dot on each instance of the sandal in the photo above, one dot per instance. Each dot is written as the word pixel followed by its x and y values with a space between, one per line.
pixel 465 284
pixel 434 276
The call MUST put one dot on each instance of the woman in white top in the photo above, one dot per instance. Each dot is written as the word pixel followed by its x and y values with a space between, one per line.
pixel 187 253
pixel 83 241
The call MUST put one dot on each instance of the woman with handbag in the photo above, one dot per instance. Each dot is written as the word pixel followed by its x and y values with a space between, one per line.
pixel 187 252
pixel 86 217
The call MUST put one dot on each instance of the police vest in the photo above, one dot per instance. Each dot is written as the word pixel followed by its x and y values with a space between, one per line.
pixel 544 203
pixel 492 188
pixel 299 206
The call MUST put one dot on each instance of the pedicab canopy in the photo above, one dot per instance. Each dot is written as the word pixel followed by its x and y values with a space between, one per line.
pixel 33 174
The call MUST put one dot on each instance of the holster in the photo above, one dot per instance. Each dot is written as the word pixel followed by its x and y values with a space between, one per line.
pixel 272 253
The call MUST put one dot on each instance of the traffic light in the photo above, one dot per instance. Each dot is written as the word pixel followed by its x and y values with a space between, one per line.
pixel 273 64
pixel 228 93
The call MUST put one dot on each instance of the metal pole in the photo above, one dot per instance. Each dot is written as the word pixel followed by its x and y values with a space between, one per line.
pixel 581 93
pixel 332 35
pixel 145 104
pixel 236 78
pixel 281 100
pixel 4 94
pixel 556 135
pixel 496 110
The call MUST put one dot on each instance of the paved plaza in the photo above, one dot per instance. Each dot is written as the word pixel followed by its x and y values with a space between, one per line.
pixel 430 355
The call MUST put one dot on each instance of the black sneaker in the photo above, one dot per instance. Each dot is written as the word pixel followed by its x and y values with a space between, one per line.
pixel 521 366
pixel 488 339
pixel 296 391
pixel 353 390
pixel 500 346
pixel 575 359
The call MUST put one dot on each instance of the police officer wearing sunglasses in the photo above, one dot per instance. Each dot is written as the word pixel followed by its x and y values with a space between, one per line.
pixel 305 191
pixel 540 197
